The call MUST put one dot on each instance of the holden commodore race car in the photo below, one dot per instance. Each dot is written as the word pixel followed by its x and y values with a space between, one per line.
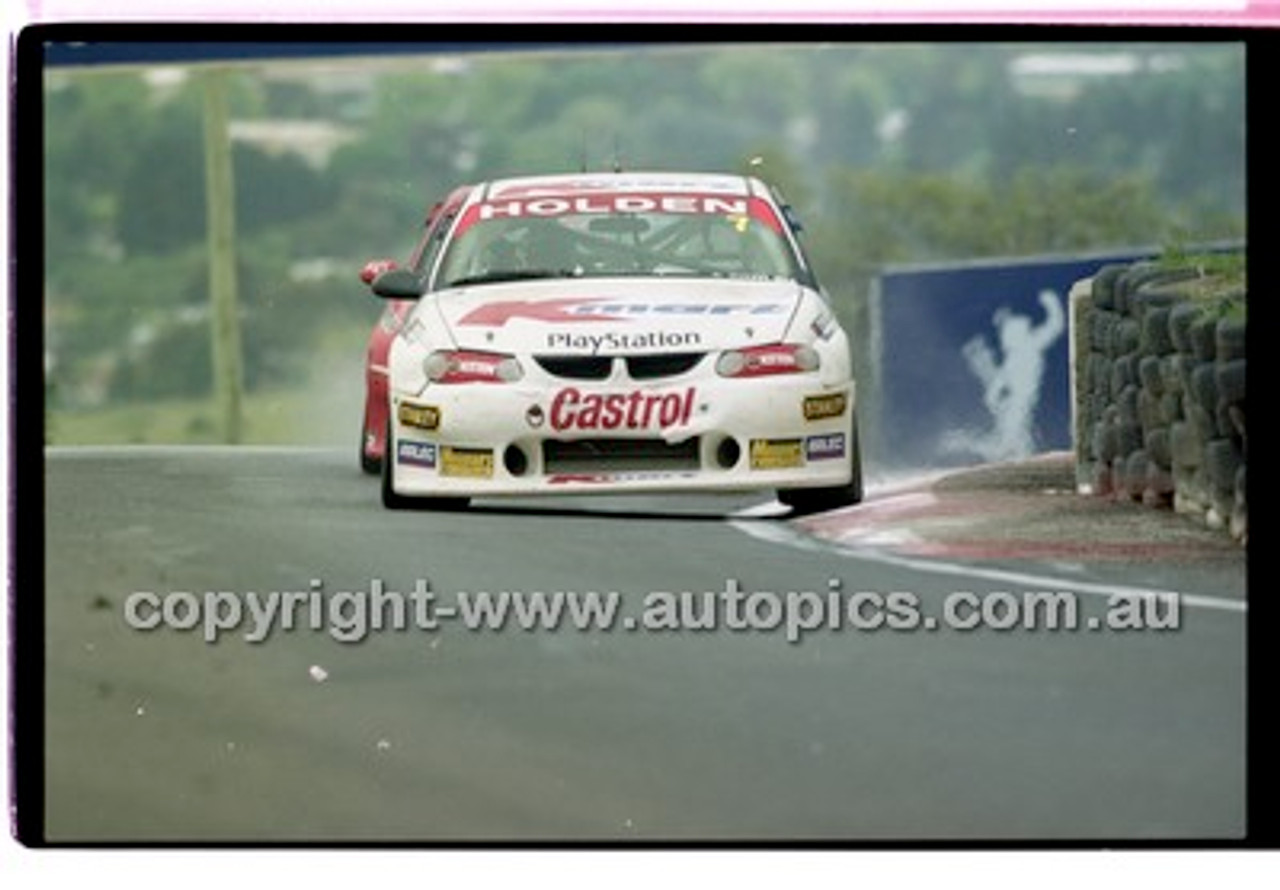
pixel 617 332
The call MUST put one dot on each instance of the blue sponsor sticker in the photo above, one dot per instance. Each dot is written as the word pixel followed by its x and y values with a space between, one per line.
pixel 824 447
pixel 417 454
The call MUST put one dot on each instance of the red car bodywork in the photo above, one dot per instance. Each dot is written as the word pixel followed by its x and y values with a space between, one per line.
pixel 374 426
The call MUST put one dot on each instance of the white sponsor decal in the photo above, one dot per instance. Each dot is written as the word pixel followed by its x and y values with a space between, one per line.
pixel 629 309
pixel 585 204
pixel 572 409
pixel 576 310
pixel 418 454
pixel 614 340
pixel 824 447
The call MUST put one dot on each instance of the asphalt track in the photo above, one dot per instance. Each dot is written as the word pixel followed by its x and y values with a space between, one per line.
pixel 453 735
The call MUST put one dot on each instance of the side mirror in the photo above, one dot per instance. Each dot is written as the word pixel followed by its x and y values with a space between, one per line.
pixel 374 268
pixel 792 218
pixel 398 284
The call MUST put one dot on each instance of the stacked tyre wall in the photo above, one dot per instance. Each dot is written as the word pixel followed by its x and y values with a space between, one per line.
pixel 1158 380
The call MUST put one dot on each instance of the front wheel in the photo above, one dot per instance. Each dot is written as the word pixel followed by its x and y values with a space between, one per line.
pixel 816 500
pixel 369 464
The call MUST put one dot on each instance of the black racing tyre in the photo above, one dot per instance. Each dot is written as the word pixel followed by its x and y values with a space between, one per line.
pixel 1230 380
pixel 815 500
pixel 1229 340
pixel 1104 285
pixel 1222 459
pixel 1145 274
pixel 1181 317
pixel 370 465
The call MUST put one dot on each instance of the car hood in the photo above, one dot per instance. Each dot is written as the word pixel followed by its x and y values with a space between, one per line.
pixel 618 316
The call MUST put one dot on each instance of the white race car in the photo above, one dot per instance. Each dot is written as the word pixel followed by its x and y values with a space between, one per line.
pixel 617 332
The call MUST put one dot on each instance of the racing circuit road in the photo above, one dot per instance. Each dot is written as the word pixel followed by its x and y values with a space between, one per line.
pixel 454 735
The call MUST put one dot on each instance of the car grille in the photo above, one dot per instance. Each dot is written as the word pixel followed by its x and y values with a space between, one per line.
pixel 619 455
pixel 639 367
pixel 576 367
pixel 650 367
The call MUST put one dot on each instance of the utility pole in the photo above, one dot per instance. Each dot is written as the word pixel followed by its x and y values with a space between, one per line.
pixel 228 374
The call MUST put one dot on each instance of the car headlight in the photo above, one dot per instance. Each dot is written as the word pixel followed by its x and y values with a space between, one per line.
pixel 763 361
pixel 466 366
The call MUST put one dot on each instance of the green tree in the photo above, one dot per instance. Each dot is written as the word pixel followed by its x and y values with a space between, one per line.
pixel 90 129
pixel 877 218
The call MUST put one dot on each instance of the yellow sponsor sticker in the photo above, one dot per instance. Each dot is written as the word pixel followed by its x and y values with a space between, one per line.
pixel 819 407
pixel 776 454
pixel 472 462
pixel 424 417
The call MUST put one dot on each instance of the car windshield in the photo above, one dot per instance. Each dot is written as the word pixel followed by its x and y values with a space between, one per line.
pixel 618 235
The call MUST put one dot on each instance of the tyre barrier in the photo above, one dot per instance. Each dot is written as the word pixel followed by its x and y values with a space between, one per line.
pixel 1158 392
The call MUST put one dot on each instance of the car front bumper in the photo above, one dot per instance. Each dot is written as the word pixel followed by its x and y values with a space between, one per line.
pixel 482 440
